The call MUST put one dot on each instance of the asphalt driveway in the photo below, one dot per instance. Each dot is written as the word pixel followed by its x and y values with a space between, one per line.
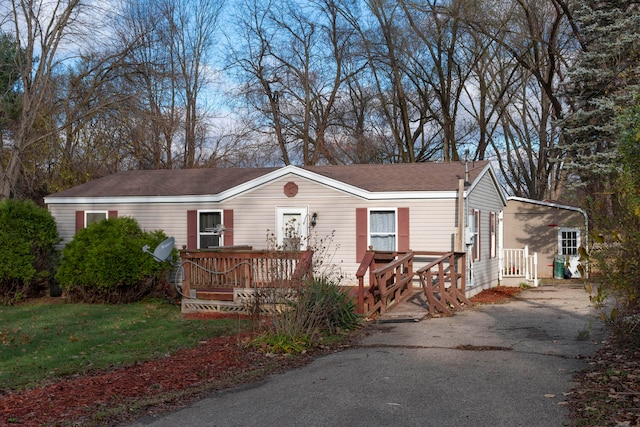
pixel 491 365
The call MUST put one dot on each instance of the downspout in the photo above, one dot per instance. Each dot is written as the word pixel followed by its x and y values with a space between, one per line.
pixel 466 225
pixel 460 240
pixel 500 246
pixel 467 228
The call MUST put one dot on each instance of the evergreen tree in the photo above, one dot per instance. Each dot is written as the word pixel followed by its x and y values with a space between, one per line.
pixel 603 80
pixel 9 78
pixel 629 149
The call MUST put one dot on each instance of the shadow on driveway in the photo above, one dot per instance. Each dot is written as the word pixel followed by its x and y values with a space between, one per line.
pixel 490 365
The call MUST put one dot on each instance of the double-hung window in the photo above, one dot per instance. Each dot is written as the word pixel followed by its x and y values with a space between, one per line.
pixel 91 217
pixel 382 230
pixel 209 234
pixel 475 234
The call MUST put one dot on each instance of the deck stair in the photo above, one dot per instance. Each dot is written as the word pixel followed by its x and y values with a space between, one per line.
pixel 444 285
pixel 391 276
pixel 390 281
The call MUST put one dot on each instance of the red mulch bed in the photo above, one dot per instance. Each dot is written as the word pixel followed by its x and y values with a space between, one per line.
pixel 126 394
pixel 497 295
pixel 75 398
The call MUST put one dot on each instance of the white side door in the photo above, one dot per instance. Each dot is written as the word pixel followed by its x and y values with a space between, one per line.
pixel 568 244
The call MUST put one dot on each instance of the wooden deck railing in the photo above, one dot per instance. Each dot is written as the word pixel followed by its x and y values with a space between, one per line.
pixel 228 269
pixel 390 277
pixel 444 282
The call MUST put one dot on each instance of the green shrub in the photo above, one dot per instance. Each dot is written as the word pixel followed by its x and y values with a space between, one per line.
pixel 318 310
pixel 105 263
pixel 328 307
pixel 28 236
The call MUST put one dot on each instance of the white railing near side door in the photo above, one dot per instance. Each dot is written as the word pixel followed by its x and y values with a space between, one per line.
pixel 519 263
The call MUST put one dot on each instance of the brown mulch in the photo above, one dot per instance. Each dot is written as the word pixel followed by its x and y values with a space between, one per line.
pixel 497 295
pixel 123 394
pixel 217 361
pixel 607 394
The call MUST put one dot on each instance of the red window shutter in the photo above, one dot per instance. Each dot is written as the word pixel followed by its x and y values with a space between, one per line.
pixel 361 233
pixel 227 220
pixel 112 214
pixel 192 229
pixel 403 229
pixel 79 220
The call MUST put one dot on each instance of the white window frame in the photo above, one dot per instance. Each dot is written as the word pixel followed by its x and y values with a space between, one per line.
pixel 87 213
pixel 561 241
pixel 205 233
pixel 304 224
pixel 475 223
pixel 493 225
pixel 394 234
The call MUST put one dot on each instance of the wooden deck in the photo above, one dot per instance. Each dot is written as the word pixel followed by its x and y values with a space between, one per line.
pixel 228 280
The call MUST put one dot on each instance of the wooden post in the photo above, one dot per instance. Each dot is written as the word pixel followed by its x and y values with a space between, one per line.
pixel 186 284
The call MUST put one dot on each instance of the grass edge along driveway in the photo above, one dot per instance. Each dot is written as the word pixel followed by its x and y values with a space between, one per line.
pixel 40 342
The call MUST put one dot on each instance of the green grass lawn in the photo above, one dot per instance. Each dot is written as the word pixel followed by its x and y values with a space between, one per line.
pixel 43 341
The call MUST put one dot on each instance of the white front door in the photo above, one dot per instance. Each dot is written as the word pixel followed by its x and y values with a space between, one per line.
pixel 568 244
pixel 292 228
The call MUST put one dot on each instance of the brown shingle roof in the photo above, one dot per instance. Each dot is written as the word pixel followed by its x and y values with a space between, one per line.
pixel 183 182
pixel 402 176
pixel 165 182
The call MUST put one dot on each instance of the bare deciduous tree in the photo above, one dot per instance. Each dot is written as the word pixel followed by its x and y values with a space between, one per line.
pixel 40 30
pixel 294 65
pixel 538 37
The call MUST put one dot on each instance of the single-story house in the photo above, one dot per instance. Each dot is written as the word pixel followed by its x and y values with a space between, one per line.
pixel 549 229
pixel 390 207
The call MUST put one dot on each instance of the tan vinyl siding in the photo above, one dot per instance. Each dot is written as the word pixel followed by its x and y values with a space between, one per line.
pixel 432 221
pixel 432 224
pixel 537 226
pixel 168 217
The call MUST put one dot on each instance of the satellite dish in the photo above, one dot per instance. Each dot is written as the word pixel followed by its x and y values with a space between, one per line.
pixel 163 250
pixel 217 230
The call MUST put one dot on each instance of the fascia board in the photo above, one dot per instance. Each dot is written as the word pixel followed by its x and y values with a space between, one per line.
pixel 547 204
pixel 128 199
pixel 404 195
